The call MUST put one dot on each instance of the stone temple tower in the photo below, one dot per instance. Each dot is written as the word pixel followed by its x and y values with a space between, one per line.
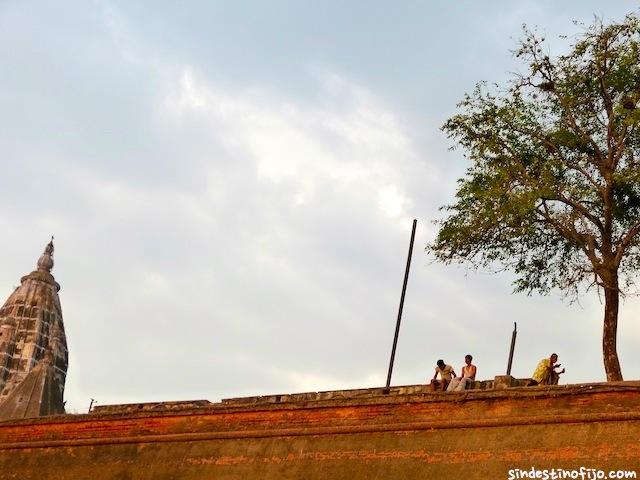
pixel 33 346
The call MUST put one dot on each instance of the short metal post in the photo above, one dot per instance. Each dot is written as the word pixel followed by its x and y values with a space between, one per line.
pixel 513 346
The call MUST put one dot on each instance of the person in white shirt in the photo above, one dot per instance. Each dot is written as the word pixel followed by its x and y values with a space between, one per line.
pixel 468 374
pixel 446 374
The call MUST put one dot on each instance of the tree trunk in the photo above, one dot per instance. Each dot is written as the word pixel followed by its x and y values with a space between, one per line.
pixel 609 351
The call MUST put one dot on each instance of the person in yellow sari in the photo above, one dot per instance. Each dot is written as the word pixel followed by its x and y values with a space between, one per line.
pixel 545 373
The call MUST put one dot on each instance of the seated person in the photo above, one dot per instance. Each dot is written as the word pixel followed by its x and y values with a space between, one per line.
pixel 468 374
pixel 545 373
pixel 446 373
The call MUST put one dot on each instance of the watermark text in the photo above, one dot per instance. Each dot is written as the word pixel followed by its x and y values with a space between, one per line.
pixel 583 473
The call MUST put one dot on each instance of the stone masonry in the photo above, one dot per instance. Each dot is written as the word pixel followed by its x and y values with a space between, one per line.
pixel 33 347
pixel 409 433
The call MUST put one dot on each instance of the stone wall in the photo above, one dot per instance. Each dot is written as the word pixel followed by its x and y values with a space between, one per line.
pixel 413 434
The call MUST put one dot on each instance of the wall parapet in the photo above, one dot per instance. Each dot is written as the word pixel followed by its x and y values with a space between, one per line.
pixel 410 433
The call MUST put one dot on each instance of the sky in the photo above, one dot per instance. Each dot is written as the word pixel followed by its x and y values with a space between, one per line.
pixel 231 187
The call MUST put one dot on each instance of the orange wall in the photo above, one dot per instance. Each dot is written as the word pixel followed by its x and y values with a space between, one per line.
pixel 471 436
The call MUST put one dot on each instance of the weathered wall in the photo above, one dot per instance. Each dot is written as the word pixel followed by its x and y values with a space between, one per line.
pixel 473 435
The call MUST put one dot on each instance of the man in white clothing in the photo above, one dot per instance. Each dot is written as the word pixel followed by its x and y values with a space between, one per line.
pixel 446 374
pixel 458 384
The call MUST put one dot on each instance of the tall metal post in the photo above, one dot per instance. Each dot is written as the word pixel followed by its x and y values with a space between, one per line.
pixel 513 346
pixel 404 289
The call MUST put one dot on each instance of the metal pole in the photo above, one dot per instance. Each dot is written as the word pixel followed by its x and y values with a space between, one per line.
pixel 91 404
pixel 404 289
pixel 513 346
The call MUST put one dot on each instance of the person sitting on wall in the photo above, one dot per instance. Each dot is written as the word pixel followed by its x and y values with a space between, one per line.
pixel 468 375
pixel 545 373
pixel 446 373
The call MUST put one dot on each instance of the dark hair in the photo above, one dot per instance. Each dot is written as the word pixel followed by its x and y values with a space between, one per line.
pixel 468 356
pixel 440 362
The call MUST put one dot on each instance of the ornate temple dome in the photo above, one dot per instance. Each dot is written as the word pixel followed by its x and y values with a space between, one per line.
pixel 33 346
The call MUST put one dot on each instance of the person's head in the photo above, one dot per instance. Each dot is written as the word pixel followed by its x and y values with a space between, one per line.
pixel 440 364
pixel 554 357
pixel 467 359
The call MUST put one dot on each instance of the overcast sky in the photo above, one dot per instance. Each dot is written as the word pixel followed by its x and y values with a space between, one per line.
pixel 231 187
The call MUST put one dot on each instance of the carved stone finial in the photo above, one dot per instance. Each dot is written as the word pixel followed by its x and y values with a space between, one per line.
pixel 45 262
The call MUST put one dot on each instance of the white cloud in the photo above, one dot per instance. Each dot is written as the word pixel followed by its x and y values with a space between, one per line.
pixel 361 147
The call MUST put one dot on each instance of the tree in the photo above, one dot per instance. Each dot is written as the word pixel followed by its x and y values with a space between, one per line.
pixel 553 190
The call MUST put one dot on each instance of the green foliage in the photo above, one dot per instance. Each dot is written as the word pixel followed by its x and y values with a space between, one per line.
pixel 553 190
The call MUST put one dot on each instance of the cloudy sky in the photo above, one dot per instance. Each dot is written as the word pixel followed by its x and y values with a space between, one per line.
pixel 231 187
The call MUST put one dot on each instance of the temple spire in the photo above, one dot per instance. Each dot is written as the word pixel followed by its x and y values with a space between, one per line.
pixel 33 348
pixel 45 262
